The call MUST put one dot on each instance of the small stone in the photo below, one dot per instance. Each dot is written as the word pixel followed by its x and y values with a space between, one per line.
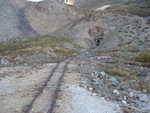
pixel 103 73
pixel 144 90
pixel 25 64
pixel 125 98
pixel 92 74
pixel 103 98
pixel 116 92
pixel 114 81
pixel 94 94
pixel 94 80
pixel 143 98
pixel 90 89
pixel 96 74
pixel 143 73
pixel 124 102
pixel 85 86
pixel 4 61
pixel 131 94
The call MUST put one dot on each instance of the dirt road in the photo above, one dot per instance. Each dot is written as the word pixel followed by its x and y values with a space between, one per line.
pixel 51 88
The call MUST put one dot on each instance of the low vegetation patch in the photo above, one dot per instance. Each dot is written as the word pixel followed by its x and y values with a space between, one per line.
pixel 144 86
pixel 64 51
pixel 123 72
pixel 52 44
pixel 144 57
pixel 126 54
pixel 141 85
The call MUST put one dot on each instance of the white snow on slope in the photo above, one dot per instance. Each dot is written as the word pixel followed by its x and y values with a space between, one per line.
pixel 103 7
pixel 35 0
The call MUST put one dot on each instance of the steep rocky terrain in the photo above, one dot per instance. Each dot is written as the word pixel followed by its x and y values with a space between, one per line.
pixel 62 70
pixel 23 19
pixel 13 23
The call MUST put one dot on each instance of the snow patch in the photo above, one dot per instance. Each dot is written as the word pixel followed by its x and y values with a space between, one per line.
pixel 103 8
pixel 35 0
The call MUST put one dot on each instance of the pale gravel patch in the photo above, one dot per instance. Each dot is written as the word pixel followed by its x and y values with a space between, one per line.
pixel 84 102
pixel 74 99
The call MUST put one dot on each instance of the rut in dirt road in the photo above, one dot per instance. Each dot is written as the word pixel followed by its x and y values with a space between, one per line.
pixel 44 100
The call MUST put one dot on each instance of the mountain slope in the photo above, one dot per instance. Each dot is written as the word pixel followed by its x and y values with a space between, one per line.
pixel 22 19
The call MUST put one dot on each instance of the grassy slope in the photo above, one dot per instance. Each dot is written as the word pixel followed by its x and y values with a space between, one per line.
pixel 49 44
pixel 126 56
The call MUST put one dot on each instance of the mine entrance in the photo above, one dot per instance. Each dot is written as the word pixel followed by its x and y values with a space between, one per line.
pixel 97 34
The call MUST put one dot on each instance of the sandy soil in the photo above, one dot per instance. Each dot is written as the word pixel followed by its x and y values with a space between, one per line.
pixel 18 85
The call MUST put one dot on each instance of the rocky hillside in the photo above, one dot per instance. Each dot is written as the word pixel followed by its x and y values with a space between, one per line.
pixel 13 21
pixel 22 19
pixel 116 72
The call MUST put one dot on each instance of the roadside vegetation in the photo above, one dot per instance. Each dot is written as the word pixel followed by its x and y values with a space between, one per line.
pixel 127 55
pixel 124 63
pixel 144 57
pixel 49 45
pixel 123 72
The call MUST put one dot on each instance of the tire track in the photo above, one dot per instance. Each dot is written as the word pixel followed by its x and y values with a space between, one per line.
pixel 52 108
pixel 28 108
pixel 53 79
pixel 44 101
pixel 57 90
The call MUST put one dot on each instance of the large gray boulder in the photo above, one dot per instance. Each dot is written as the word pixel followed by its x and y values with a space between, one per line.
pixel 13 21
pixel 48 16
pixel 20 19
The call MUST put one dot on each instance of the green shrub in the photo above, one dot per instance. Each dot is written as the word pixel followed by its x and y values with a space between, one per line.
pixel 123 72
pixel 13 49
pixel 144 57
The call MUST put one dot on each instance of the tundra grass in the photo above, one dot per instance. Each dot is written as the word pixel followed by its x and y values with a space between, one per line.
pixel 53 44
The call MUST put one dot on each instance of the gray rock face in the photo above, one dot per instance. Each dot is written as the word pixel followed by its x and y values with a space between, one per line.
pixel 126 29
pixel 9 20
pixel 13 23
pixel 22 19
pixel 49 16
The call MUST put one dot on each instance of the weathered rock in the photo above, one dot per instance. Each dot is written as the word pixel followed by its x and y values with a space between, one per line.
pixel 90 89
pixel 116 92
pixel 94 94
pixel 114 81
pixel 124 102
pixel 143 97
pixel 131 94
pixel 103 73
pixel 4 61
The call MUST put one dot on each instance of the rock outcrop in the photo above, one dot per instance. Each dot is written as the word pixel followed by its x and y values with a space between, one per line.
pixel 24 19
